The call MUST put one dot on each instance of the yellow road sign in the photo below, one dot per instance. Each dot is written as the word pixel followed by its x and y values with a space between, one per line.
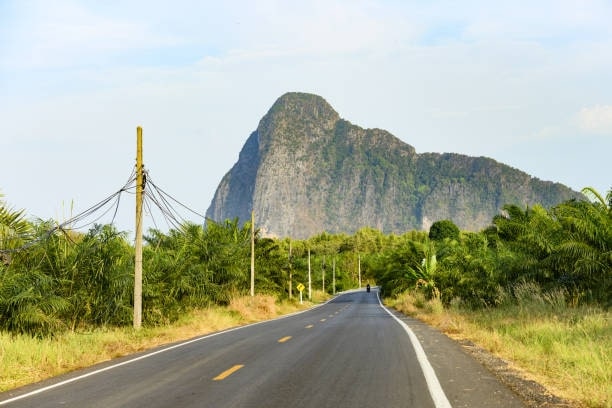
pixel 301 287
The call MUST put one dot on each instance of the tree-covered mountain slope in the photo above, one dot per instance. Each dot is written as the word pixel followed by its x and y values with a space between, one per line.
pixel 305 170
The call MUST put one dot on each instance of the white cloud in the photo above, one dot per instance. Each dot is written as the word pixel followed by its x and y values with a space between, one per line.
pixel 596 119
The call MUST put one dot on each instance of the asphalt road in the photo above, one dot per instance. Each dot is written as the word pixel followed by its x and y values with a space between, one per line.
pixel 349 352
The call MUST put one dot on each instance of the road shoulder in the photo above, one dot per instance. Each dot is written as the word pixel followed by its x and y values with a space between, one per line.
pixel 473 377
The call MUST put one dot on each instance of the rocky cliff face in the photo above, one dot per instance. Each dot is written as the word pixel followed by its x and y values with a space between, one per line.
pixel 305 170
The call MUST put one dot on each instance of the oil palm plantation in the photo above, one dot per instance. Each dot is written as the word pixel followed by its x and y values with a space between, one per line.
pixel 584 255
pixel 27 300
pixel 14 229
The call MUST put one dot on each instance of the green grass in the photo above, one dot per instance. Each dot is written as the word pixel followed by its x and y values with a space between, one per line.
pixel 566 349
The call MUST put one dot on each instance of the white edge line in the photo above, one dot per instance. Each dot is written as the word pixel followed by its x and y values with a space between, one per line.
pixel 153 353
pixel 433 384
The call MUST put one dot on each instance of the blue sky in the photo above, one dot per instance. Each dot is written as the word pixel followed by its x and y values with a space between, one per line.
pixel 526 83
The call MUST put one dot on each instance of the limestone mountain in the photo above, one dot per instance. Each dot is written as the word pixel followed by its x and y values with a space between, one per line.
pixel 306 170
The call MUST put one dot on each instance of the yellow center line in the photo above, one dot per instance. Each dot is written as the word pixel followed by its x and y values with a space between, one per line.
pixel 310 326
pixel 227 373
pixel 284 339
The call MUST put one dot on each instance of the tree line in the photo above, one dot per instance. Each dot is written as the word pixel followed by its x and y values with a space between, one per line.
pixel 67 280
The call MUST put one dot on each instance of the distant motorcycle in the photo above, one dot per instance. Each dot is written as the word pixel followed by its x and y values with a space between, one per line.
pixel 368 288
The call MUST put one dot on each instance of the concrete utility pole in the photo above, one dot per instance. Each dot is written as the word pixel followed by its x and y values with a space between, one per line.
pixel 359 268
pixel 334 275
pixel 290 273
pixel 138 238
pixel 309 278
pixel 323 273
pixel 252 253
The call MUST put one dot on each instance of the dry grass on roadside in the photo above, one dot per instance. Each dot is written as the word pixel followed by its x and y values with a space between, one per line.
pixel 567 350
pixel 24 360
pixel 252 309
pixel 430 311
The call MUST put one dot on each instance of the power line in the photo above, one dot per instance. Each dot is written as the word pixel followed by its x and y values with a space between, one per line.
pixel 164 202
pixel 154 196
pixel 70 223
pixel 176 201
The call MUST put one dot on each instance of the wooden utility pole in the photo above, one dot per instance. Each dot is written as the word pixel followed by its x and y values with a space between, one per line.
pixel 138 238
pixel 252 253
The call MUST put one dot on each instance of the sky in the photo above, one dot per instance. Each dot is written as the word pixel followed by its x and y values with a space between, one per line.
pixel 527 83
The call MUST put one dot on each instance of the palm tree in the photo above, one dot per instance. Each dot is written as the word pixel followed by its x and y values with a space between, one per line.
pixel 594 195
pixel 531 234
pixel 584 256
pixel 13 230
